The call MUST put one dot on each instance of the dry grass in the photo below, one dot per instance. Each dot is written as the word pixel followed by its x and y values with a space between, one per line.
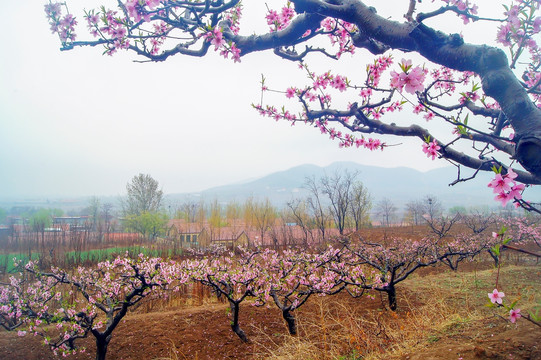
pixel 431 308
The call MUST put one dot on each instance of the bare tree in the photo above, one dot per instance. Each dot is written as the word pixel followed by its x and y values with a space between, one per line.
pixel 338 190
pixel 298 210
pixel 360 204
pixel 93 211
pixel 442 225
pixel 478 221
pixel 432 207
pixel 415 211
pixel 386 210
pixel 315 205
pixel 433 214
pixel 261 214
pixel 188 211
pixel 107 216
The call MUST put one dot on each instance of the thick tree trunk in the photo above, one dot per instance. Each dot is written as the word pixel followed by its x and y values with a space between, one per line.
pixel 102 342
pixel 240 333
pixel 391 295
pixel 235 322
pixel 291 322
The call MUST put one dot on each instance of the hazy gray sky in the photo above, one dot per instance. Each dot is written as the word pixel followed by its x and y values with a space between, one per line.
pixel 79 123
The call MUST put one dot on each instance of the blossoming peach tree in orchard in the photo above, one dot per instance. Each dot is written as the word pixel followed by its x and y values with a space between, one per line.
pixel 63 307
pixel 234 278
pixel 292 277
pixel 486 97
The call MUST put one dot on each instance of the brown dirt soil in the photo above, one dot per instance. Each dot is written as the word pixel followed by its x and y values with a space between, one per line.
pixel 193 333
pixel 487 339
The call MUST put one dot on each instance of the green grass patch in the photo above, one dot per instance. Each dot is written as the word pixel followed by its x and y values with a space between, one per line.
pixel 98 255
pixel 85 257
pixel 6 260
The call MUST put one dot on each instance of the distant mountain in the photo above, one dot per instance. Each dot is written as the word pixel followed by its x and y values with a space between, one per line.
pixel 400 185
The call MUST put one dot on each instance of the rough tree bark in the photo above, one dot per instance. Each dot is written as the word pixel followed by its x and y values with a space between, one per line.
pixel 235 307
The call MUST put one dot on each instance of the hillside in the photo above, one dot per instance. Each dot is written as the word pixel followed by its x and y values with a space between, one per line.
pixel 401 185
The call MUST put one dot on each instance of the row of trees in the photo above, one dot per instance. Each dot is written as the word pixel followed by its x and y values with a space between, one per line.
pixel 339 201
pixel 287 279
pixel 340 197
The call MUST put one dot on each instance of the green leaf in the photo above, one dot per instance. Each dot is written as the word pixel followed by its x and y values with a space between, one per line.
pixel 462 130
pixel 536 316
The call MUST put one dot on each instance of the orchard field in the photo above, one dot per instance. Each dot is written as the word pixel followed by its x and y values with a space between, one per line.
pixel 441 314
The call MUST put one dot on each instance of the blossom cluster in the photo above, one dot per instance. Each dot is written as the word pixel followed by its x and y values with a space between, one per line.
pixel 107 24
pixel 505 186
pixel 233 16
pixel 496 297
pixel 64 26
pixel 520 32
pixel 339 32
pixel 430 148
pixel 411 78
pixel 141 10
pixel 525 230
pixel 520 26
pixel 279 21
pixel 465 7
pixel 376 69
pixel 216 38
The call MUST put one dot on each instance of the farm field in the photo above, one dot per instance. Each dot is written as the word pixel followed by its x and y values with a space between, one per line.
pixel 441 315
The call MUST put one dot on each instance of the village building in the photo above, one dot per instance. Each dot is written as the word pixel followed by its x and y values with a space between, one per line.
pixel 204 235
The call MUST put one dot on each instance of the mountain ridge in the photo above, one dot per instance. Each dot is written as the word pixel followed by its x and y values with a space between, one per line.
pixel 399 184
